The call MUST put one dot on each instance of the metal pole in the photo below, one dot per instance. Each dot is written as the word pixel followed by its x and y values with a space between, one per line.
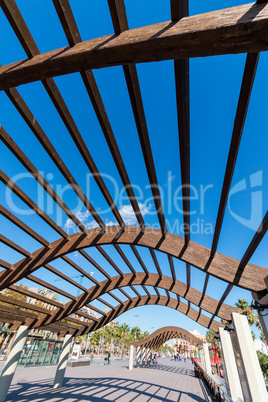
pixel 88 336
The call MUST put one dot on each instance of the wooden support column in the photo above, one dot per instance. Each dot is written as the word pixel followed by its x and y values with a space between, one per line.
pixel 138 355
pixel 254 378
pixel 12 361
pixel 233 379
pixel 59 376
pixel 131 357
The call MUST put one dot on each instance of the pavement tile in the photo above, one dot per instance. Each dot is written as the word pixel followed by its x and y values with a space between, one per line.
pixel 165 382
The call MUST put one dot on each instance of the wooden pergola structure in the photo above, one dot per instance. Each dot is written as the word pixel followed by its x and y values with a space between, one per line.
pixel 241 29
pixel 162 335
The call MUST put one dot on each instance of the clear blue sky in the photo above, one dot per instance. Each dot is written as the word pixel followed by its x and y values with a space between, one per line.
pixel 214 90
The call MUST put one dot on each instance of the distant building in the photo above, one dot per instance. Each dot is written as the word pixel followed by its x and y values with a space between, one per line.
pixel 44 292
pixel 259 345
pixel 198 335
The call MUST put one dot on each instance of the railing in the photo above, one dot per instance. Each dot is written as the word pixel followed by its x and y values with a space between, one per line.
pixel 217 391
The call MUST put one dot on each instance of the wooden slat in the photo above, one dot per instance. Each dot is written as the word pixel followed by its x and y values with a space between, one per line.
pixel 244 29
pixel 125 293
pixel 179 10
pixel 106 256
pixel 260 233
pixel 156 291
pixel 156 263
pixel 64 277
pixel 124 258
pixel 106 303
pixel 94 263
pixel 146 290
pixel 49 286
pixel 20 303
pixel 188 276
pixel 17 152
pixel 137 255
pixel 115 297
pixel 15 18
pixel 244 97
pixel 27 200
pixel 12 218
pixel 119 19
pixel 73 36
pixel 222 266
pixel 135 291
pixel 172 269
pixel 5 264
pixel 14 246
pixel 79 269
pixel 30 120
pixel 225 294
pixel 96 309
pixel 36 296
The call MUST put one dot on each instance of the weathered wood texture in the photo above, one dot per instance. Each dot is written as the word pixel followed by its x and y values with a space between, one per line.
pixel 221 266
pixel 241 29
pixel 162 335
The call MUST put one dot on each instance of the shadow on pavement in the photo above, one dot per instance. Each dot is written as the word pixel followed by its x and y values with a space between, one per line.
pixel 98 389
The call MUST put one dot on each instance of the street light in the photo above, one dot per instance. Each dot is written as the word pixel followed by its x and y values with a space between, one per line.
pixel 136 315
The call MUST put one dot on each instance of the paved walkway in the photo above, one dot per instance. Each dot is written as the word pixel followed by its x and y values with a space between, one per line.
pixel 167 381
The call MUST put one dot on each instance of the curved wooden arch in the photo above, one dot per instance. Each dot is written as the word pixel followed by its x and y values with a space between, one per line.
pixel 206 303
pixel 148 301
pixel 220 266
pixel 164 334
pixel 119 50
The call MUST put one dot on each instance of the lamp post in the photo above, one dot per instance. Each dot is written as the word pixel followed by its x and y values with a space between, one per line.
pixel 136 315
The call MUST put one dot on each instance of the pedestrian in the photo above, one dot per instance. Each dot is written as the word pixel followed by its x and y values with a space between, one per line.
pixel 108 357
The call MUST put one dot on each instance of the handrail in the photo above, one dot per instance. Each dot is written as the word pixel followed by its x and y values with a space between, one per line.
pixel 216 389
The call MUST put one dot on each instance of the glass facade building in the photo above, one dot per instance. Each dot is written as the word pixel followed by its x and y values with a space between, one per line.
pixel 40 352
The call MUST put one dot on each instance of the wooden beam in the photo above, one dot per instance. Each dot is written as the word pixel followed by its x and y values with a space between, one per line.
pixel 124 258
pixel 28 201
pixel 14 246
pixel 241 113
pixel 120 23
pixel 235 30
pixel 137 255
pixel 94 263
pixel 39 133
pixel 222 267
pixel 69 25
pixel 17 152
pixel 179 10
pixel 12 218
pixel 156 263
pixel 19 26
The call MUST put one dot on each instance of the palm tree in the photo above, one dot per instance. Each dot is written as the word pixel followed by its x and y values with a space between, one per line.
pixel 210 336
pixel 136 332
pixel 247 311
pixel 124 329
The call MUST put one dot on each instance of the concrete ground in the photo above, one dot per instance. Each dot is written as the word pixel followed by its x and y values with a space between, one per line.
pixel 166 381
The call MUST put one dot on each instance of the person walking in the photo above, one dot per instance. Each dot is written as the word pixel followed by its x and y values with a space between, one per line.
pixel 108 357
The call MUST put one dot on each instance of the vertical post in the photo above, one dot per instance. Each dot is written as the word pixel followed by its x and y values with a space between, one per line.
pixel 12 361
pixel 131 357
pixel 143 357
pixel 86 346
pixel 148 357
pixel 59 376
pixel 253 373
pixel 263 315
pixel 138 356
pixel 202 357
pixel 230 366
pixel 206 358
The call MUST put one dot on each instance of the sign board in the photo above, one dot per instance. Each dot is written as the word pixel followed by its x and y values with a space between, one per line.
pixel 76 351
